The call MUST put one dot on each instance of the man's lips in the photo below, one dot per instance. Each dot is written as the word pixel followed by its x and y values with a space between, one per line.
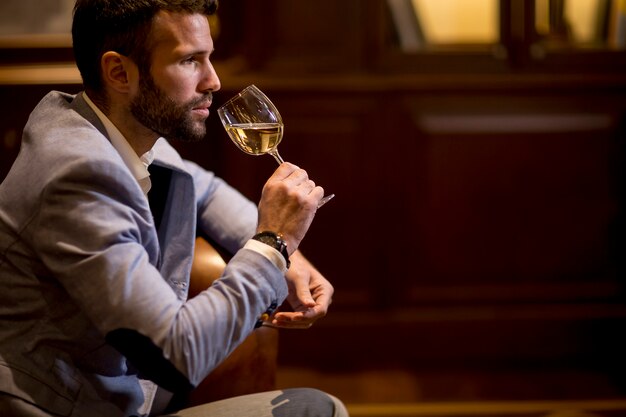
pixel 202 109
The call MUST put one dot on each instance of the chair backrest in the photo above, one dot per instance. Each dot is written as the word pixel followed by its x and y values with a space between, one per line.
pixel 208 265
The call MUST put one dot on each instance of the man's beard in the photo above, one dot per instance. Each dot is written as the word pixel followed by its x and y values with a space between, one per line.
pixel 159 113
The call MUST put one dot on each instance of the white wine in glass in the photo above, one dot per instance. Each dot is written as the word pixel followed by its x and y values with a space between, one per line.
pixel 254 125
pixel 257 138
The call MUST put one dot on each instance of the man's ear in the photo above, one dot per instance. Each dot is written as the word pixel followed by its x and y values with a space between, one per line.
pixel 118 71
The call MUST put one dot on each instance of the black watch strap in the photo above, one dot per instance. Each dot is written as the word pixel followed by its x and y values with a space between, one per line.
pixel 276 241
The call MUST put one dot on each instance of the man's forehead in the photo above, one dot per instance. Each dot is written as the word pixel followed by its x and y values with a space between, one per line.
pixel 171 27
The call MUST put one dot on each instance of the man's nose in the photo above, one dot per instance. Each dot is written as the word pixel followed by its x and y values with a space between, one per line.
pixel 211 81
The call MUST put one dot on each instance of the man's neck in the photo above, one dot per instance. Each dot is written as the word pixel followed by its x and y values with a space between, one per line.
pixel 140 138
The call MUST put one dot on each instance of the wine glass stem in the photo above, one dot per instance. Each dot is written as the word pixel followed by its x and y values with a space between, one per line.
pixel 276 156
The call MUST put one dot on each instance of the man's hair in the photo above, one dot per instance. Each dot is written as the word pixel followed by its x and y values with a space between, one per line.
pixel 122 26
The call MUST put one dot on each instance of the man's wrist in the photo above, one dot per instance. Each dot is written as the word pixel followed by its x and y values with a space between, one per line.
pixel 274 240
pixel 268 252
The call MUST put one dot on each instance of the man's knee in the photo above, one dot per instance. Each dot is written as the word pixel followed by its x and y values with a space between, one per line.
pixel 307 402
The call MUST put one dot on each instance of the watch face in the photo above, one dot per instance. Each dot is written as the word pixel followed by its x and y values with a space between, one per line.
pixel 272 240
pixel 275 241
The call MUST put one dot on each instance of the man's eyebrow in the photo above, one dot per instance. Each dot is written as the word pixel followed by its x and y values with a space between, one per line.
pixel 202 52
pixel 194 52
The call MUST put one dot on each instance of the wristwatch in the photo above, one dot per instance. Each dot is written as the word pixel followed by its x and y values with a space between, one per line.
pixel 276 241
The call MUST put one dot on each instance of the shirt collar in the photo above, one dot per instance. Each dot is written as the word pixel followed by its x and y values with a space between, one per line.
pixel 138 166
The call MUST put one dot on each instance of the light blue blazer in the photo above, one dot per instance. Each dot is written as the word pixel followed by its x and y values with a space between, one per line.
pixel 91 296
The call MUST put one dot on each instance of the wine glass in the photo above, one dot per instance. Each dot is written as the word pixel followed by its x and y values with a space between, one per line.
pixel 254 125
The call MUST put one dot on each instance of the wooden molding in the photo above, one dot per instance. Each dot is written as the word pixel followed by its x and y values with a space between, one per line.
pixel 40 74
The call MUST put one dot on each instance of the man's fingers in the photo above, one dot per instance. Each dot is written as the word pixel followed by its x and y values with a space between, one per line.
pixel 297 177
pixel 284 170
pixel 288 325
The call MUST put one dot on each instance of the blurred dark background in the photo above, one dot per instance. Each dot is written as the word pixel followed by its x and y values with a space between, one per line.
pixel 476 241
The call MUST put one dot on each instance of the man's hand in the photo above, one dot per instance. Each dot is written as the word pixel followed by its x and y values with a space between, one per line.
pixel 310 295
pixel 288 204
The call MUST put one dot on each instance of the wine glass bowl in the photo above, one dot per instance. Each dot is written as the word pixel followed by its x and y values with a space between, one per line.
pixel 254 125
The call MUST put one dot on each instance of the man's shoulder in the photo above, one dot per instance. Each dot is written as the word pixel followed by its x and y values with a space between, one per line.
pixel 61 125
pixel 57 109
pixel 59 139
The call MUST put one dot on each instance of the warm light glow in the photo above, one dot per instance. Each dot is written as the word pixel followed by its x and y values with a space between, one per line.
pixel 588 22
pixel 582 16
pixel 458 21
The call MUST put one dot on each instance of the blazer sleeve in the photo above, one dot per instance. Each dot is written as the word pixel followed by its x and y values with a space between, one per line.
pixel 94 234
pixel 224 214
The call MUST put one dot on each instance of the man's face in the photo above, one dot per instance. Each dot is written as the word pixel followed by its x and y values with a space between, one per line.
pixel 173 98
